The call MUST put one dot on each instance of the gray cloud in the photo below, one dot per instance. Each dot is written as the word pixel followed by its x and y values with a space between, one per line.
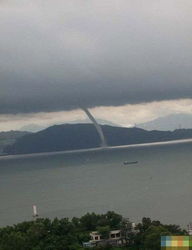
pixel 61 54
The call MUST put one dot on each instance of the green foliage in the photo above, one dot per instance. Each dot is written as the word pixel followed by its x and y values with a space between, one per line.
pixel 152 237
pixel 149 234
pixel 91 221
pixel 59 234
pixel 104 231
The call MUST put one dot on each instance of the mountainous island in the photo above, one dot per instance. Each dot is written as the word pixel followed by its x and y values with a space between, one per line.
pixel 8 138
pixel 169 122
pixel 82 136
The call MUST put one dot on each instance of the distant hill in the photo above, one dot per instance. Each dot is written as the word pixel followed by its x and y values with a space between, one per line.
pixel 32 128
pixel 170 122
pixel 81 136
pixel 100 121
pixel 8 138
pixel 36 128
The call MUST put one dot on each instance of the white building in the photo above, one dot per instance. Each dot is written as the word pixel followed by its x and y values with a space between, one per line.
pixel 115 238
pixel 189 228
pixel 115 234
pixel 95 237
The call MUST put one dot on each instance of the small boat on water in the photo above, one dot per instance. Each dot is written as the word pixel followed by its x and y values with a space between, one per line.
pixel 129 162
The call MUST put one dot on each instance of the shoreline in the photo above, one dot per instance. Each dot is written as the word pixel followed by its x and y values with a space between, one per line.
pixel 161 143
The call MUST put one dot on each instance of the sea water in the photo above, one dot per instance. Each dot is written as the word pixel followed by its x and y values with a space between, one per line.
pixel 71 184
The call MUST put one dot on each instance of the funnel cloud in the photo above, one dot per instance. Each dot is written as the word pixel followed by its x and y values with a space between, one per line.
pixel 97 126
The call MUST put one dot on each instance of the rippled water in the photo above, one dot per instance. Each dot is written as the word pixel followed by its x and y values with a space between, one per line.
pixel 71 184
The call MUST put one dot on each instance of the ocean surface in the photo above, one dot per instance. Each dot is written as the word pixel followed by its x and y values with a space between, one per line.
pixel 73 183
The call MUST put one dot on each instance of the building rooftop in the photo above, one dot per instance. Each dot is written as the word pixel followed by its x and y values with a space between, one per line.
pixel 115 231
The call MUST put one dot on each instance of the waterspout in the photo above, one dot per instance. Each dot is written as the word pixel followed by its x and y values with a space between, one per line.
pixel 97 126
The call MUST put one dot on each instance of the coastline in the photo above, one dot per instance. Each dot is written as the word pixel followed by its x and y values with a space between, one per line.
pixel 16 156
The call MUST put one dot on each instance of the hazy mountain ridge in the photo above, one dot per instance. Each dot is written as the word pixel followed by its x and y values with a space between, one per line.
pixel 36 127
pixel 81 136
pixel 170 122
pixel 8 138
pixel 33 128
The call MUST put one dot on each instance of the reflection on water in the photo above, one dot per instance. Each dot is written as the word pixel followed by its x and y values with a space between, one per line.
pixel 158 186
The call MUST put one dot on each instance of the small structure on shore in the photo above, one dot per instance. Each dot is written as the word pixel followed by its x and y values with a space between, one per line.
pixel 35 214
pixel 189 228
pixel 115 239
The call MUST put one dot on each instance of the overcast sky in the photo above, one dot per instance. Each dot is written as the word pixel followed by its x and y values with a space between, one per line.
pixel 58 55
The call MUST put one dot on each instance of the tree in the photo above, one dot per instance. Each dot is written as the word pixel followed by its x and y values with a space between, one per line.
pixel 104 231
pixel 113 219
pixel 59 234
pixel 89 221
pixel 152 237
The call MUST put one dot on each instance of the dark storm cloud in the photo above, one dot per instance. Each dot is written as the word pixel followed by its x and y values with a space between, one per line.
pixel 62 54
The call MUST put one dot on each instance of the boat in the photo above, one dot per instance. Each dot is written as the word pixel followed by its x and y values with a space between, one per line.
pixel 130 162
